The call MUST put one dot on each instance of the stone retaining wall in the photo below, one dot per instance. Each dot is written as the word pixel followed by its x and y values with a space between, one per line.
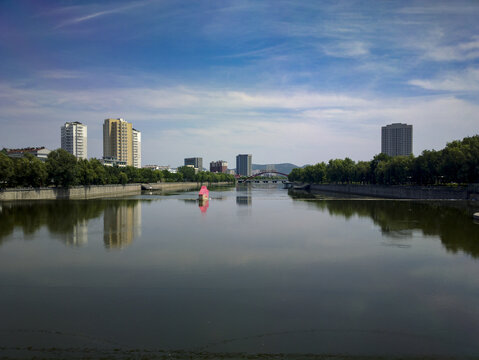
pixel 398 191
pixel 73 193
pixel 184 186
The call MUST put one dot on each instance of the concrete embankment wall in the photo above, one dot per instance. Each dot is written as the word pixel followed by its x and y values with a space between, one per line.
pixel 184 186
pixel 92 192
pixel 398 192
pixel 73 193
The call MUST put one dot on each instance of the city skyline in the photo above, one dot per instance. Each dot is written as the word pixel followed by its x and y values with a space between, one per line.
pixel 298 83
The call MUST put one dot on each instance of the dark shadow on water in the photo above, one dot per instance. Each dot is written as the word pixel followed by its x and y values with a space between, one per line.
pixel 450 220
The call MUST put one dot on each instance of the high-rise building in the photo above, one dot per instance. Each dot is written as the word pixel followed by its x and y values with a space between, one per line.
pixel 219 166
pixel 197 162
pixel 243 164
pixel 136 148
pixel 74 139
pixel 118 142
pixel 396 139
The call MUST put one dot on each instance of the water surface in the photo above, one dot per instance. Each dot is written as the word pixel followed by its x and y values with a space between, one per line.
pixel 252 270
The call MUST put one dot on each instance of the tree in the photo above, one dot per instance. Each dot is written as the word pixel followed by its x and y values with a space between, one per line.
pixel 6 170
pixel 187 172
pixel 62 168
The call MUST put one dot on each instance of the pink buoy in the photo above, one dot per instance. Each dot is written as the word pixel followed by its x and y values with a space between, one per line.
pixel 204 193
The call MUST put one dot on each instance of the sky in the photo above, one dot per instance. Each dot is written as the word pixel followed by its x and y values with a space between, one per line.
pixel 286 81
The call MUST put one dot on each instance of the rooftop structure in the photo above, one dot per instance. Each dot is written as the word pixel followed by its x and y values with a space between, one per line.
pixel 40 153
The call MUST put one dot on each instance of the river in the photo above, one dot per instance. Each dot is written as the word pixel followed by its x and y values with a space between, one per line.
pixel 253 270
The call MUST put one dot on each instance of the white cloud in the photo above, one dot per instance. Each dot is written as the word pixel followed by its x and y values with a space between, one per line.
pixel 276 126
pixel 96 14
pixel 467 80
pixel 347 49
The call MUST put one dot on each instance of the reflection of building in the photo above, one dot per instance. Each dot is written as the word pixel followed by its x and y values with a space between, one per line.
pixel 244 200
pixel 396 139
pixel 243 164
pixel 121 142
pixel 74 139
pixel 243 196
pixel 40 153
pixel 219 166
pixel 121 224
pixel 196 162
pixel 79 234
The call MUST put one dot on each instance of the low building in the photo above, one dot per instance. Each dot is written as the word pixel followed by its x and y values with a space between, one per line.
pixel 157 167
pixel 219 166
pixel 110 161
pixel 40 153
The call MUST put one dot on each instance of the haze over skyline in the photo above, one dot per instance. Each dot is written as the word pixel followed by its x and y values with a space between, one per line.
pixel 298 82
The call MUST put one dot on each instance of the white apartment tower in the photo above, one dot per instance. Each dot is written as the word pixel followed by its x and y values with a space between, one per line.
pixel 396 139
pixel 74 139
pixel 136 148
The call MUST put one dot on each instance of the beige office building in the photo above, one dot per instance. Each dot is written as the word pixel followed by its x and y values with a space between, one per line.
pixel 118 140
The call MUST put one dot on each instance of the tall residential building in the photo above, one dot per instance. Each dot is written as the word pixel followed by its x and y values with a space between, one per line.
pixel 243 164
pixel 197 162
pixel 396 139
pixel 118 141
pixel 74 139
pixel 219 166
pixel 136 148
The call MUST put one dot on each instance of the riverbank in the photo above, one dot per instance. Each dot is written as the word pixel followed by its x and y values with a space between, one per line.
pixel 92 192
pixel 400 191
pixel 179 186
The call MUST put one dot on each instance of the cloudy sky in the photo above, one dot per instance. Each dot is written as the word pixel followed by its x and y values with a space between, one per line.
pixel 287 81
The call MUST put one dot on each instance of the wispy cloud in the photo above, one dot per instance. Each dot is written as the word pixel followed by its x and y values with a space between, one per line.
pixel 458 81
pixel 96 14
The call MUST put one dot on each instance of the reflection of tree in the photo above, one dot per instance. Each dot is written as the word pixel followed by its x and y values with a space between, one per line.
pixel 121 224
pixel 452 222
pixel 68 220
pixel 60 217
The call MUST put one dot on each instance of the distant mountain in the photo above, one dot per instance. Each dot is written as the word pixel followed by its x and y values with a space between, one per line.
pixel 283 168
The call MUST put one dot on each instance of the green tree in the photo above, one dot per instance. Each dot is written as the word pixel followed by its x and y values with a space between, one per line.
pixel 187 172
pixel 62 168
pixel 7 170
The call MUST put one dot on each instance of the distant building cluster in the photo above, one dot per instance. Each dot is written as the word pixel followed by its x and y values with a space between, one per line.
pixel 396 139
pixel 122 147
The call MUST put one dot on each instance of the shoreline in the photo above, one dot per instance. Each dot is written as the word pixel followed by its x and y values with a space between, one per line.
pixel 92 191
pixel 405 192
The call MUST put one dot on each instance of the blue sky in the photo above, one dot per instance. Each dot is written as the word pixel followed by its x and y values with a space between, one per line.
pixel 287 81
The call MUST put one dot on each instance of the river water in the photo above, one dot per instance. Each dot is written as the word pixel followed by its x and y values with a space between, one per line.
pixel 254 270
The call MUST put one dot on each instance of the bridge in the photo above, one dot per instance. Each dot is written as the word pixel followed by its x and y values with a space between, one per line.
pixel 250 179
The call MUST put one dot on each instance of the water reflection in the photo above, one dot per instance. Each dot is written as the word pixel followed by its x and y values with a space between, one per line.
pixel 203 205
pixel 451 221
pixel 244 196
pixel 121 225
pixel 68 220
